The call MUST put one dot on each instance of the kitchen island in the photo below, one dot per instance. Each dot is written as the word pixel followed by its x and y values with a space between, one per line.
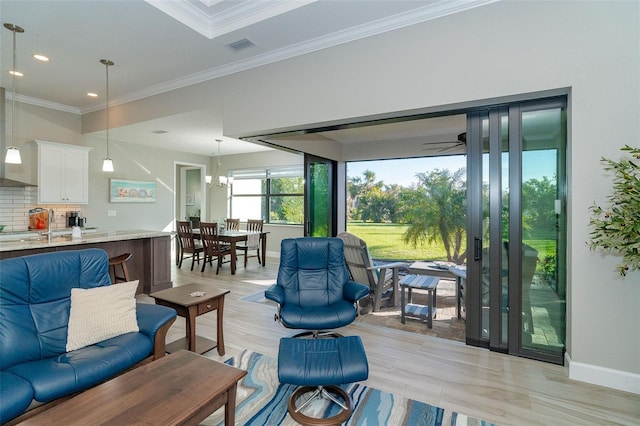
pixel 151 250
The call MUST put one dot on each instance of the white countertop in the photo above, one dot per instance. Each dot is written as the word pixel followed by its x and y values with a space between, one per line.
pixel 32 240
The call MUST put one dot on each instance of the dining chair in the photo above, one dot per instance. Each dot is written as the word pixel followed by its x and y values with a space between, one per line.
pixel 188 244
pixel 211 244
pixel 253 240
pixel 233 224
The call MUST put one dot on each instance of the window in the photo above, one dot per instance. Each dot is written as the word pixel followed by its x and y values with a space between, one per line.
pixel 275 195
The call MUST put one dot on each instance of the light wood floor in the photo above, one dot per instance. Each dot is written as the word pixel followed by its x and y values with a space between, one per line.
pixel 499 388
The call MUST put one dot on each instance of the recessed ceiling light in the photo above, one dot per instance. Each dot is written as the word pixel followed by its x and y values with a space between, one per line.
pixel 40 57
pixel 92 95
pixel 16 73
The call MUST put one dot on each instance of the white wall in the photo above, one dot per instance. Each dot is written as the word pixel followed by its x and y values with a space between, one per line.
pixel 503 49
pixel 133 162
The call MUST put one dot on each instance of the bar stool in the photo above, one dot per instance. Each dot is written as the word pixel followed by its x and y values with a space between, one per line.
pixel 120 261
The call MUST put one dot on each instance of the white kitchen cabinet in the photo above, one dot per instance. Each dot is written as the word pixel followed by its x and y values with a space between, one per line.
pixel 63 173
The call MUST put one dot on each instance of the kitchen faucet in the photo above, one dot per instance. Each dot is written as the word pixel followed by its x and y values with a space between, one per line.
pixel 50 220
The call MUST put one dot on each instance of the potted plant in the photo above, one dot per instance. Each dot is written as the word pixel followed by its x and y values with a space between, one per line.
pixel 616 228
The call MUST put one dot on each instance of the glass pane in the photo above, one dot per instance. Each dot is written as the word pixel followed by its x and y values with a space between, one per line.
pixel 319 210
pixel 292 185
pixel 505 216
pixel 486 221
pixel 286 209
pixel 248 186
pixel 248 207
pixel 543 289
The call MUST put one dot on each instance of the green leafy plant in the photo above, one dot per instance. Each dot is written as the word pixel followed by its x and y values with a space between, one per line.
pixel 616 228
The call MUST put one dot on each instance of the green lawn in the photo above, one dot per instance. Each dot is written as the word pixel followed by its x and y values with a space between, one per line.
pixel 385 242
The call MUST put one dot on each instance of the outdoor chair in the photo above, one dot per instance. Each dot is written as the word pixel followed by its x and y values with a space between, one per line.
pixel 211 245
pixel 253 240
pixel 313 289
pixel 382 279
pixel 529 264
pixel 188 244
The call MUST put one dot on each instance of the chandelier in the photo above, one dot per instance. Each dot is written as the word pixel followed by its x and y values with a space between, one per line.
pixel 221 181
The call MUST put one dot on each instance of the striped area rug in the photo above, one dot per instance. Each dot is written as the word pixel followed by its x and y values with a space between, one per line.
pixel 261 401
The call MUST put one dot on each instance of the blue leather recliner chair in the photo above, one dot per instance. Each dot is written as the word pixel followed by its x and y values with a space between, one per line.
pixel 313 290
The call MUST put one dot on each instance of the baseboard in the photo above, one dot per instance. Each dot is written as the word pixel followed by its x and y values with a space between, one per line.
pixel 615 379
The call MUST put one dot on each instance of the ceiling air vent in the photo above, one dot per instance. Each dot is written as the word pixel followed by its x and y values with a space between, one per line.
pixel 159 132
pixel 239 45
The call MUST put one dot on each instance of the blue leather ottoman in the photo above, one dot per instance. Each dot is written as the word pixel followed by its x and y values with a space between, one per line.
pixel 320 365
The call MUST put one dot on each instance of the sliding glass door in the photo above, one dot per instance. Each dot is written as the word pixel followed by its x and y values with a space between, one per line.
pixel 517 237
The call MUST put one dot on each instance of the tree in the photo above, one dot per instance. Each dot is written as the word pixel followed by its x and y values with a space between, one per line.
pixel 538 201
pixel 368 198
pixel 436 211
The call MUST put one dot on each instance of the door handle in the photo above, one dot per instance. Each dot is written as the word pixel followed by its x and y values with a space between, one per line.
pixel 477 248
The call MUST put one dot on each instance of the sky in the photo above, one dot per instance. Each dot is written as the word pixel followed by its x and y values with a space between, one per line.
pixel 403 172
pixel 536 165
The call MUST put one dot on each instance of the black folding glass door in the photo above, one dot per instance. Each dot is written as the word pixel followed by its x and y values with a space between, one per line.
pixel 516 276
pixel 320 200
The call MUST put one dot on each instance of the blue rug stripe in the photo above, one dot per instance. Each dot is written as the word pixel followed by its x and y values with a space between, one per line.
pixel 421 414
pixel 274 412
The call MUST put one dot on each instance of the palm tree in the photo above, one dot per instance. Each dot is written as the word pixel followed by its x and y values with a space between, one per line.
pixel 436 212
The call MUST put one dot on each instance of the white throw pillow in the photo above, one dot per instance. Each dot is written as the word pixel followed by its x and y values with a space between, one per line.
pixel 101 313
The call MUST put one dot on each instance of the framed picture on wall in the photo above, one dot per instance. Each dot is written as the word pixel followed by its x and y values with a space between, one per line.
pixel 132 191
pixel 190 199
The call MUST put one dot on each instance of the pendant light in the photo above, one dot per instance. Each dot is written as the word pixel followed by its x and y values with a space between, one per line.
pixel 107 163
pixel 13 153
pixel 220 181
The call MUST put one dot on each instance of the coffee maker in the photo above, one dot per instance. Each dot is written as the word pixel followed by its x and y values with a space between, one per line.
pixel 75 218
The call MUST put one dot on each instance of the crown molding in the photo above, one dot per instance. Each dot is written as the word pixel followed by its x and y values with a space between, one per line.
pixel 43 103
pixel 401 20
pixel 230 19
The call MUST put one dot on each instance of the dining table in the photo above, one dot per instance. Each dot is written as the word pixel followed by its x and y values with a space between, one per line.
pixel 232 238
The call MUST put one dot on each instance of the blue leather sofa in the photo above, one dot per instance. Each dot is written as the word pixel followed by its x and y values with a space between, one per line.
pixel 34 312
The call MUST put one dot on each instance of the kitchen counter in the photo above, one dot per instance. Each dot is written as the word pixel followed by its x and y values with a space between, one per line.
pixel 151 251
pixel 33 240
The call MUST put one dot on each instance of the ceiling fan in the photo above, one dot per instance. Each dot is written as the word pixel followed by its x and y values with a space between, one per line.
pixel 446 145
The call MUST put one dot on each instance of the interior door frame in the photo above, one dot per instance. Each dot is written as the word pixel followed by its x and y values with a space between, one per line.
pixel 179 188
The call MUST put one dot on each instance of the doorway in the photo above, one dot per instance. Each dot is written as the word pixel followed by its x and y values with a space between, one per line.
pixel 190 192
pixel 514 295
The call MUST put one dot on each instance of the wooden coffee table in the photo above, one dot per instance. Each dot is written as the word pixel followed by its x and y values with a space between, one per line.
pixel 179 389
pixel 189 306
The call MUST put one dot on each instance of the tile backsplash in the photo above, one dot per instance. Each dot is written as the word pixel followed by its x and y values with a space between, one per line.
pixel 15 204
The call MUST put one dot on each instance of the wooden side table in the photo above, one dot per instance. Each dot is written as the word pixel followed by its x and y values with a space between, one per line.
pixel 189 301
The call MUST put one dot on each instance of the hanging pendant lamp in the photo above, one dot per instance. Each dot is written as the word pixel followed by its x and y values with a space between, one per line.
pixel 13 153
pixel 107 163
